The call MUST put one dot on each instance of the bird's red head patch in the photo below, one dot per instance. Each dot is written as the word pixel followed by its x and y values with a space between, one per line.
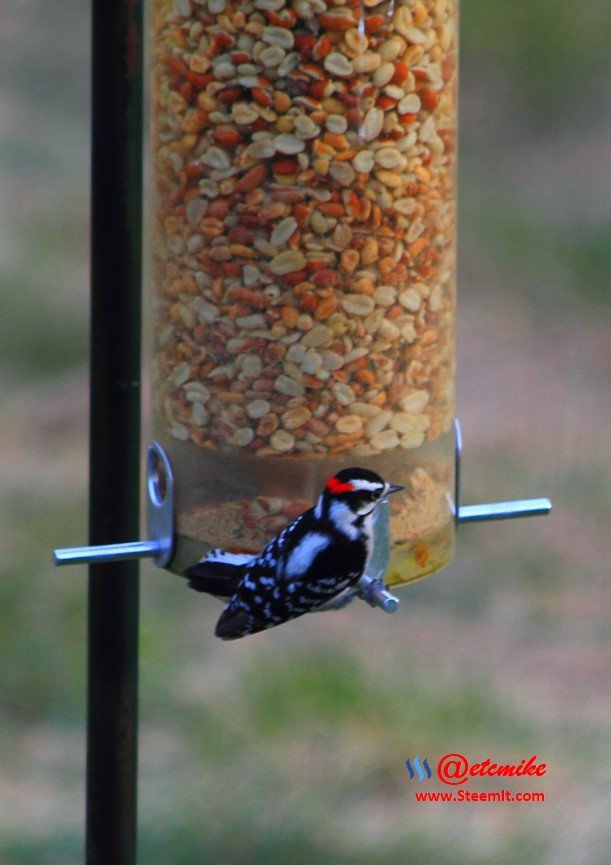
pixel 334 486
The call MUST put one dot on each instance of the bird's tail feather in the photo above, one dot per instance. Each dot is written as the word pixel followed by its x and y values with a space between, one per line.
pixel 218 573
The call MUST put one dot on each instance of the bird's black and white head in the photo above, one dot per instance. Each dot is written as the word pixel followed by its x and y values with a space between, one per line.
pixel 351 498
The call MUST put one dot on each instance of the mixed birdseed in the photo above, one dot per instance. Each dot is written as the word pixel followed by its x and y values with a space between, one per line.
pixel 304 220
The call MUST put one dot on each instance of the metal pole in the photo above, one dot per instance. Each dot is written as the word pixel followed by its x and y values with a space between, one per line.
pixel 116 212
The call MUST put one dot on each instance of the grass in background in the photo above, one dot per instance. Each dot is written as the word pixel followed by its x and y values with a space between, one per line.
pixel 43 306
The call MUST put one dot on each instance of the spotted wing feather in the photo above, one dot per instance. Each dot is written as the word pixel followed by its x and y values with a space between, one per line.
pixel 294 574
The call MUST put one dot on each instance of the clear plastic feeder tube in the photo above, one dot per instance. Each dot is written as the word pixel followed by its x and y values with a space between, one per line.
pixel 303 245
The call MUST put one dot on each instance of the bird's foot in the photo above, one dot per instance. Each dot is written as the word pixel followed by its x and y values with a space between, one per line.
pixel 372 591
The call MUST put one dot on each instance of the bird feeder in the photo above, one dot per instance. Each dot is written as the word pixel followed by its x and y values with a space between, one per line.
pixel 303 270
pixel 304 259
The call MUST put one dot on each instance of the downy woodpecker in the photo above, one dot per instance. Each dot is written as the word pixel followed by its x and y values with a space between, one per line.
pixel 320 554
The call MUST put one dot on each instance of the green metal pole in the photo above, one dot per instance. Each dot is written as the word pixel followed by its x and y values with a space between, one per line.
pixel 116 238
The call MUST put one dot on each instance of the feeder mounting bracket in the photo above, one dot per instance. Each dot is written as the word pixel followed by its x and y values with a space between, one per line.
pixel 159 519
pixel 491 510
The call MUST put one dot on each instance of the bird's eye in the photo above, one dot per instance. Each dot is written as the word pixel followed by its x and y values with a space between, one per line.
pixel 375 495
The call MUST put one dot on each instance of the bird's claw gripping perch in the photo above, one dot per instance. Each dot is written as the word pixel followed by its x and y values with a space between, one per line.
pixel 375 593
pixel 372 591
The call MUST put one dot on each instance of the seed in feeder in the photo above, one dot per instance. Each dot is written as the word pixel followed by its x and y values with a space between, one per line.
pixel 250 274
pixel 366 62
pixel 364 161
pixel 288 386
pixel 305 127
pixel 318 336
pixel 388 330
pixel 342 172
pixel 261 149
pixel 349 424
pixel 385 440
pixel 195 243
pixel 287 262
pixel 224 71
pixel 416 401
pixel 385 295
pixel 403 20
pixel 412 440
pixel 251 366
pixel 408 331
pixel 427 130
pixel 181 374
pixel 293 371
pixel 278 36
pixel 282 441
pixel 369 254
pixel 267 425
pixel 410 104
pixel 392 48
pixel 304 322
pixel 383 74
pixel 338 64
pixel 349 260
pixel 377 423
pixel 342 236
pixel 179 431
pixel 199 415
pixel 243 113
pixel 388 157
pixel 283 231
pixel 372 124
pixel 311 362
pixel 336 123
pixel 364 409
pixel 196 391
pixel 410 299
pixel 389 178
pixel 343 393
pixel 195 210
pixel 250 322
pixel 318 223
pixel 415 36
pixel 272 56
pixel 356 41
pixel 358 304
pixel 242 437
pixel 331 360
pixel 288 144
pixel 258 408
pixel 296 417
pixel 296 352
pixel 404 422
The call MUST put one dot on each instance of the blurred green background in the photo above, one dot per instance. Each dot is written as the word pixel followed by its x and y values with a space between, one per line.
pixel 291 747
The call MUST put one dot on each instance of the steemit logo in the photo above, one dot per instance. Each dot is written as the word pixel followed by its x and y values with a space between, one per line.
pixel 418 768
pixel 456 769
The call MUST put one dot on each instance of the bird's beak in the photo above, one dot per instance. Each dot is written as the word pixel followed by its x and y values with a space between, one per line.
pixel 394 488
